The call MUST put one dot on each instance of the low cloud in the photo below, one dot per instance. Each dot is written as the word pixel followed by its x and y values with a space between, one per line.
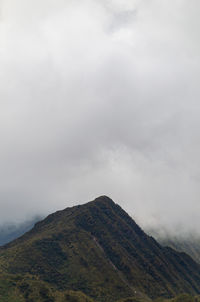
pixel 100 98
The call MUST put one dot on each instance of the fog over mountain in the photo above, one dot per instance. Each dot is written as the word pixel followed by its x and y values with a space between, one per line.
pixel 100 97
pixel 9 232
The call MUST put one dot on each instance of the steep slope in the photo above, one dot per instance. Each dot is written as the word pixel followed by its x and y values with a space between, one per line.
pixel 189 244
pixel 98 249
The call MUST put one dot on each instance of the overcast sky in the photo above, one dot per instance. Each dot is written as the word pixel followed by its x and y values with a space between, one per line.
pixel 100 98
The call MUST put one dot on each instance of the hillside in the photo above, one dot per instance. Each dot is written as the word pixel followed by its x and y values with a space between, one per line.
pixel 189 244
pixel 97 249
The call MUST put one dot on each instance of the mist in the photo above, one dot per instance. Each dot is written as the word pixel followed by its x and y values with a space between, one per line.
pixel 100 98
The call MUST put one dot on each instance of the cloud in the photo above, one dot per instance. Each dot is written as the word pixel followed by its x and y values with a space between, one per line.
pixel 100 98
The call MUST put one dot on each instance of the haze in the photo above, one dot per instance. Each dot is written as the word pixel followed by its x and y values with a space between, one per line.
pixel 100 98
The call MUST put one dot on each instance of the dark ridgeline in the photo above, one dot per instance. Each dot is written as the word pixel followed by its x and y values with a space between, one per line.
pixel 98 249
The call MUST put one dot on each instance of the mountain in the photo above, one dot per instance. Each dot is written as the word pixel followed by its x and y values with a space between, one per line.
pixel 189 243
pixel 98 250
pixel 10 232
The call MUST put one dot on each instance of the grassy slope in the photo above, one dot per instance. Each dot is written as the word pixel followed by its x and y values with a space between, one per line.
pixel 18 288
pixel 99 250
pixel 65 256
pixel 179 298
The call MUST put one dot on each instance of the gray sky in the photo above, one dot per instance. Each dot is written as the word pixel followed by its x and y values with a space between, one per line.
pixel 100 97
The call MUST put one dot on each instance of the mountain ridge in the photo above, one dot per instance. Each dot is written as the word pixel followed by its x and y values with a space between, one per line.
pixel 97 248
pixel 188 243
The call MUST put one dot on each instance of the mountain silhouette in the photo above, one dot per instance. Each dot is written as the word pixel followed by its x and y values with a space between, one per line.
pixel 99 250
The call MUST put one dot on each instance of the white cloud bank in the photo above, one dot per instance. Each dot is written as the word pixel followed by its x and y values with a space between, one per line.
pixel 100 97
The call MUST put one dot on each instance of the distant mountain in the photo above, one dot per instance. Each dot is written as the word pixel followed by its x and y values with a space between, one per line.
pixel 97 250
pixel 188 243
pixel 10 232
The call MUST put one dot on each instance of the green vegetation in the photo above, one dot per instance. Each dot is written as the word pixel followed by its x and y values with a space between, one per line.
pixel 186 298
pixel 94 252
pixel 29 289
pixel 134 299
pixel 17 288
pixel 180 298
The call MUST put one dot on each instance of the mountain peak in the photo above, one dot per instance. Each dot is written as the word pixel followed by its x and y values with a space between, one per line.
pixel 98 248
pixel 103 199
